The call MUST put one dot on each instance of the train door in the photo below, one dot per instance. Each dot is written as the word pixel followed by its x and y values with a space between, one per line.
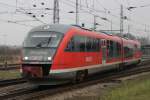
pixel 104 53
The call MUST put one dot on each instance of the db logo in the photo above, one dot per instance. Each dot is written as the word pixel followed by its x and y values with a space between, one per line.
pixel 88 59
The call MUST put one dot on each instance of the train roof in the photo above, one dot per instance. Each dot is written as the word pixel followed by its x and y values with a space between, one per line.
pixel 62 28
pixel 53 27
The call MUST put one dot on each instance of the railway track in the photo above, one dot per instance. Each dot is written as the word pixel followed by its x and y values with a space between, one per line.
pixel 33 93
pixel 17 90
pixel 4 83
pixel 10 67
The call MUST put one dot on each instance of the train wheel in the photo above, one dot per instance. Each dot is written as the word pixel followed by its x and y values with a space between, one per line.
pixel 81 75
pixel 132 66
pixel 121 67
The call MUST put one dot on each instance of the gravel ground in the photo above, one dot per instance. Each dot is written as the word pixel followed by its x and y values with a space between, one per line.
pixel 87 93
pixel 93 92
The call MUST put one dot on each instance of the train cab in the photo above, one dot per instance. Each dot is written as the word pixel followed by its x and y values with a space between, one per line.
pixel 39 48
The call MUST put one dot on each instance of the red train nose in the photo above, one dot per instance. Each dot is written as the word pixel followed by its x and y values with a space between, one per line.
pixel 36 71
pixel 33 71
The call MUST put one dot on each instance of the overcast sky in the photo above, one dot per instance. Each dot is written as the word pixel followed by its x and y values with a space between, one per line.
pixel 14 24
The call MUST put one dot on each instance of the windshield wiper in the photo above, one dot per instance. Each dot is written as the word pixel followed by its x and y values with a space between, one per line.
pixel 44 42
pixel 49 39
pixel 41 43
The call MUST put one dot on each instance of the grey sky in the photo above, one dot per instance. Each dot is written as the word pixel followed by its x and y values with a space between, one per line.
pixel 16 32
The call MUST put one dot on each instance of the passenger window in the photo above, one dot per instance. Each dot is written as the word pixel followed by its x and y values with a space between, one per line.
pixel 110 49
pixel 118 49
pixel 80 42
pixel 128 51
pixel 83 44
pixel 70 46
pixel 113 49
pixel 89 44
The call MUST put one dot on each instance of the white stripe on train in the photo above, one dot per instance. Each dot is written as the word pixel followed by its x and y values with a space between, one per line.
pixel 88 67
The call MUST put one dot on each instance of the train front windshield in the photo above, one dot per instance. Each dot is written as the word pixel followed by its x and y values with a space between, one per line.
pixel 43 39
pixel 41 46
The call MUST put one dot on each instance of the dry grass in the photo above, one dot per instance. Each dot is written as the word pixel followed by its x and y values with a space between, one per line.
pixel 130 90
pixel 10 74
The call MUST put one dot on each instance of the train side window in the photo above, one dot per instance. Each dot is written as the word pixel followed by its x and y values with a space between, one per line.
pixel 83 44
pixel 97 44
pixel 80 42
pixel 118 49
pixel 76 44
pixel 92 44
pixel 109 49
pixel 113 49
pixel 89 43
pixel 70 45
pixel 128 52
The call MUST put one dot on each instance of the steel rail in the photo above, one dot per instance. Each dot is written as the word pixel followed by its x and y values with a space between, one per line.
pixel 104 77
pixel 12 82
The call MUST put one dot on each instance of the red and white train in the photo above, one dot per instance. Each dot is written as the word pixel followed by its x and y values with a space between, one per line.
pixel 65 52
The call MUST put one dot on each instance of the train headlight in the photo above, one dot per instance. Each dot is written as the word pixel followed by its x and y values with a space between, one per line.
pixel 26 58
pixel 49 58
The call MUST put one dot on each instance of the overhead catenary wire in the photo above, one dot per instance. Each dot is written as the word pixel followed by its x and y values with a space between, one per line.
pixel 115 15
pixel 117 2
pixel 89 10
pixel 86 11
pixel 14 22
pixel 128 2
pixel 131 20
pixel 147 5
pixel 91 13
pixel 26 13
pixel 72 4
pixel 98 11
pixel 101 5
pixel 23 12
